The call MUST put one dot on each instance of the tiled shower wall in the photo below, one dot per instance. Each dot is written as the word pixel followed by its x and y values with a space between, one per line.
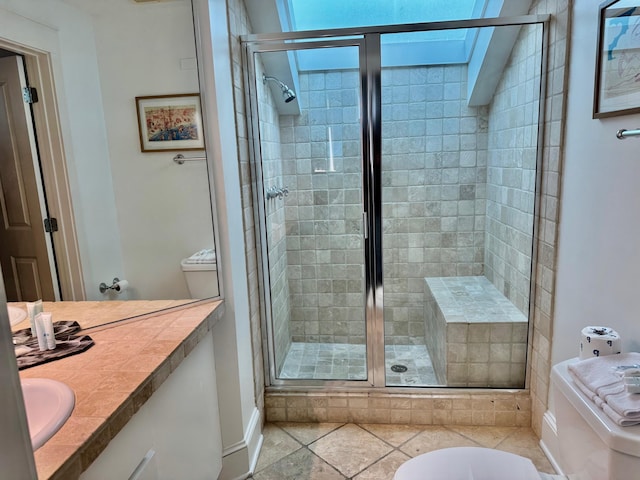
pixel 272 176
pixel 546 236
pixel 433 176
pixel 511 171
pixel 434 189
pixel 323 212
pixel 434 149
pixel 239 25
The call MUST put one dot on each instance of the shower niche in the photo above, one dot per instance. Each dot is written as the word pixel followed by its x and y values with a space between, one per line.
pixel 402 254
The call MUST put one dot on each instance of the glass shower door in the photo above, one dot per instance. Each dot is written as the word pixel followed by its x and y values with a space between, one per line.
pixel 311 197
pixel 459 159
pixel 397 198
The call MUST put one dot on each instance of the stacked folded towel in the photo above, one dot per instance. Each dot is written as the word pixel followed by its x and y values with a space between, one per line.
pixel 602 380
pixel 208 255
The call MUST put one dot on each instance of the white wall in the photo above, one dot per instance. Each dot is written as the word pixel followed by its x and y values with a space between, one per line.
pixel 598 258
pixel 599 254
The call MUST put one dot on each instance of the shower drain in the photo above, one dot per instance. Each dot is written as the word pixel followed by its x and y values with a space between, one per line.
pixel 398 368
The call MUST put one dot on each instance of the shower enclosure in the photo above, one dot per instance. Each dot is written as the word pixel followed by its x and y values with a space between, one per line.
pixel 395 198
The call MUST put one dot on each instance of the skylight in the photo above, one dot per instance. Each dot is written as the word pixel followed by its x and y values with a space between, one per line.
pixel 468 46
pixel 432 47
pixel 328 14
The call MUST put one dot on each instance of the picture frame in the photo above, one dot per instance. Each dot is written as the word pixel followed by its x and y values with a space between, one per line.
pixel 170 123
pixel 617 80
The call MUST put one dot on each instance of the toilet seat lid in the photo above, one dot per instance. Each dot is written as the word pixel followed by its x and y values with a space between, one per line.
pixel 467 463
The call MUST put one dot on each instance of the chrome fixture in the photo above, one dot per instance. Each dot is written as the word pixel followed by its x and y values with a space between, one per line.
pixel 288 94
pixel 180 159
pixel 277 192
pixel 116 286
pixel 623 133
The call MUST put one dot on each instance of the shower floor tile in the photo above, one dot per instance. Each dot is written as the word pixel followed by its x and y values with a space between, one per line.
pixel 325 361
pixel 338 361
pixel 416 358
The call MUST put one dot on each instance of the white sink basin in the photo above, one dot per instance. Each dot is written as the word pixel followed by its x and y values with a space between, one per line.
pixel 16 315
pixel 49 404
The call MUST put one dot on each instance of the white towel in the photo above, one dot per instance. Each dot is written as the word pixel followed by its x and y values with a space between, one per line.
pixel 581 386
pixel 623 421
pixel 619 419
pixel 613 389
pixel 605 392
pixel 208 255
pixel 600 372
pixel 625 403
pixel 606 386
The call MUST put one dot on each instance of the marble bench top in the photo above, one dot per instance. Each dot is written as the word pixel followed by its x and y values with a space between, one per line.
pixel 472 300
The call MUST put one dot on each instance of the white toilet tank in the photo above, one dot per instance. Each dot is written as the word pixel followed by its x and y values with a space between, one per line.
pixel 201 274
pixel 592 446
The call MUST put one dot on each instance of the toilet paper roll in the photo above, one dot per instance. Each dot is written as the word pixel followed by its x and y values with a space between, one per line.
pixel 598 342
pixel 121 286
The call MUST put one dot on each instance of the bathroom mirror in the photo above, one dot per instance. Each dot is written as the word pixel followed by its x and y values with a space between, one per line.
pixel 121 213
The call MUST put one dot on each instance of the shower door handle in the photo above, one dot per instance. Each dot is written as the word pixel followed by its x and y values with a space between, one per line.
pixel 365 225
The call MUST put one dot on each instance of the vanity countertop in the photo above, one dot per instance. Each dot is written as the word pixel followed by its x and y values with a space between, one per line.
pixel 117 375
pixel 92 314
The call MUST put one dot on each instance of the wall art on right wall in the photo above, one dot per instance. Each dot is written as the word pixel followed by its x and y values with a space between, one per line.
pixel 617 82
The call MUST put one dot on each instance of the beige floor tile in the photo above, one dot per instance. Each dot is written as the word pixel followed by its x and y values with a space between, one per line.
pixel 488 437
pixel 307 433
pixel 522 437
pixel 364 452
pixel 300 465
pixel 434 438
pixel 385 468
pixel 525 443
pixel 350 449
pixel 276 445
pixel 394 435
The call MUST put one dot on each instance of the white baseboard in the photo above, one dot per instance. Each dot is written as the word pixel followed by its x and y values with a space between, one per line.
pixel 254 442
pixel 239 460
pixel 549 441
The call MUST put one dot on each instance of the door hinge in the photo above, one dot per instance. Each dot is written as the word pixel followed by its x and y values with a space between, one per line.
pixel 50 225
pixel 30 95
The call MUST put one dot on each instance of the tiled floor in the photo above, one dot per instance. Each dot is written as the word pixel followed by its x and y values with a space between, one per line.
pixel 325 361
pixel 330 451
pixel 419 368
pixel 335 361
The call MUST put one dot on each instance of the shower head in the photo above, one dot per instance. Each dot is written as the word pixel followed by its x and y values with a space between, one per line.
pixel 288 94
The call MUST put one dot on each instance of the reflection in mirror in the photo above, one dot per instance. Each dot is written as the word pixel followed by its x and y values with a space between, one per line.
pixel 111 211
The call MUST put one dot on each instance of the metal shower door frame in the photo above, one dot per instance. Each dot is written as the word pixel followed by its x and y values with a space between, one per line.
pixel 368 40
pixel 260 214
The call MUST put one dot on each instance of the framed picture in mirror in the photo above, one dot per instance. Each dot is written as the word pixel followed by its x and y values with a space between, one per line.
pixel 170 122
pixel 617 81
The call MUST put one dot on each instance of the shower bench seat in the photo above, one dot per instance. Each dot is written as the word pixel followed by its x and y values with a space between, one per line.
pixel 475 336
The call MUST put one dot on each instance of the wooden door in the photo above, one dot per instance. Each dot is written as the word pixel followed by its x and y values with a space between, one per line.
pixel 24 255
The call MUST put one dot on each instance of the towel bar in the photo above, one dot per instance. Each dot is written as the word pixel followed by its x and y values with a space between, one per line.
pixel 180 159
pixel 624 133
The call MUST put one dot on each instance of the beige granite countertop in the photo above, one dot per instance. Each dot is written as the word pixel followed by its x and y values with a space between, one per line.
pixel 112 379
pixel 98 313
